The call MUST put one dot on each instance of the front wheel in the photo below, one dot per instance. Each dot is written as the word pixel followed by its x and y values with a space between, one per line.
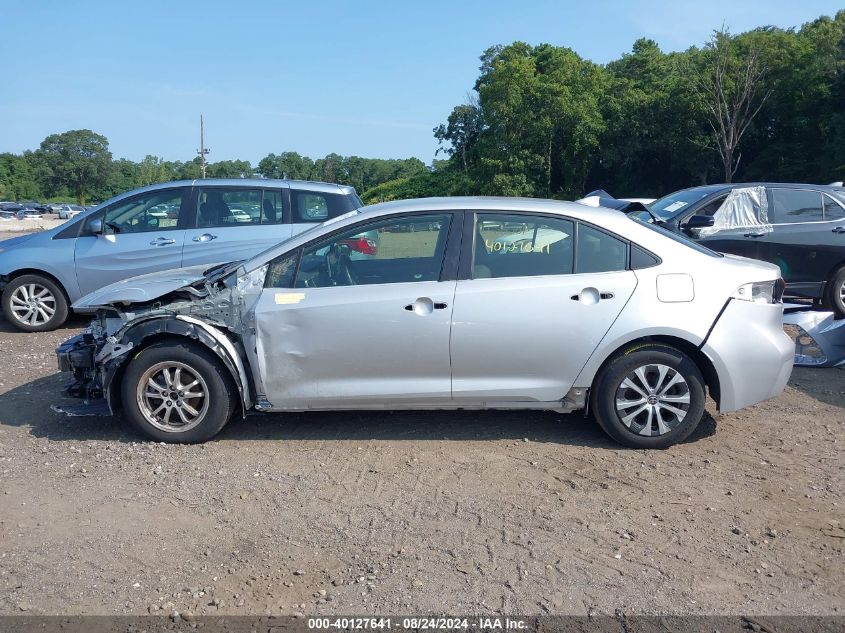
pixel 175 391
pixel 33 303
pixel 651 396
pixel 835 293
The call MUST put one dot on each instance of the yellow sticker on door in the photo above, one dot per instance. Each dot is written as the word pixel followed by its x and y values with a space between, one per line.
pixel 286 298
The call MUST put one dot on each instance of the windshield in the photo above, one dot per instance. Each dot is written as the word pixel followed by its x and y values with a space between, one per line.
pixel 681 239
pixel 669 206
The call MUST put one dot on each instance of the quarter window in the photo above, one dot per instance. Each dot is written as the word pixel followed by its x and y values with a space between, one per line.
pixel 790 206
pixel 522 246
pixel 401 250
pixel 153 211
pixel 281 271
pixel 832 209
pixel 599 252
pixel 315 206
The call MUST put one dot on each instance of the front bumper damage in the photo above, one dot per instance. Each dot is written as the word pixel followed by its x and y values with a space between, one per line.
pixel 77 356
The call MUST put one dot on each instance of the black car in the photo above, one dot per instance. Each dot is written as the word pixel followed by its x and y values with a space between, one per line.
pixel 801 228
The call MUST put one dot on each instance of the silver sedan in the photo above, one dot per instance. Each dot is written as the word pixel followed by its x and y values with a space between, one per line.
pixel 486 304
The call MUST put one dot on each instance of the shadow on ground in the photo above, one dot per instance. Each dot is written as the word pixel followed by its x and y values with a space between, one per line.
pixel 29 406
pixel 825 384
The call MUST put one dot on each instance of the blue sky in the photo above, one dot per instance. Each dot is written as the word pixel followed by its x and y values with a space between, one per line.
pixel 361 77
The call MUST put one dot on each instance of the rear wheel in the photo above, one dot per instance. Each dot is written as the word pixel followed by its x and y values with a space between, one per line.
pixel 835 293
pixel 175 391
pixel 651 396
pixel 34 303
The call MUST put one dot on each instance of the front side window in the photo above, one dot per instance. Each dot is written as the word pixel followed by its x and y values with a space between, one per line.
pixel 397 250
pixel 711 207
pixel 522 246
pixel 153 211
pixel 317 206
pixel 790 206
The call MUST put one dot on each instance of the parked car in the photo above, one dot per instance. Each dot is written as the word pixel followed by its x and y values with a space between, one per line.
pixel 636 317
pixel 155 228
pixel 68 211
pixel 801 228
pixel 29 214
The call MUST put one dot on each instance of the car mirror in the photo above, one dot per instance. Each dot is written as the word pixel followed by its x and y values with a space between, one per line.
pixel 96 226
pixel 699 222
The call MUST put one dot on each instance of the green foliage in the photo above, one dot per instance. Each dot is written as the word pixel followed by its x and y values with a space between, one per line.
pixel 545 122
pixel 78 161
pixel 17 178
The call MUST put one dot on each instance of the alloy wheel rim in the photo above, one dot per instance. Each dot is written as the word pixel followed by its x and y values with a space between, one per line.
pixel 33 304
pixel 172 396
pixel 842 293
pixel 652 400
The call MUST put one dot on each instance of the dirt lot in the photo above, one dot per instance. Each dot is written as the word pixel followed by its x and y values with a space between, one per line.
pixel 417 512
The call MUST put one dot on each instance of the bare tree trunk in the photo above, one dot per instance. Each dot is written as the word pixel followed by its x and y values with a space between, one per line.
pixel 731 90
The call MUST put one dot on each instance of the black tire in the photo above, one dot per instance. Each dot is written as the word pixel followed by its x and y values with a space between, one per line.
pixel 834 293
pixel 221 393
pixel 609 390
pixel 53 298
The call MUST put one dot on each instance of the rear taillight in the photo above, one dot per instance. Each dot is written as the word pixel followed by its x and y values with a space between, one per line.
pixel 362 245
pixel 760 291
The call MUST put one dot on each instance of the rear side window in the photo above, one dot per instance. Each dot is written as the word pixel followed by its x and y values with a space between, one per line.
pixel 236 206
pixel 522 246
pixel 317 206
pixel 599 252
pixel 790 206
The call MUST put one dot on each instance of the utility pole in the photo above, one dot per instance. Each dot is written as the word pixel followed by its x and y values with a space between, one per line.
pixel 203 150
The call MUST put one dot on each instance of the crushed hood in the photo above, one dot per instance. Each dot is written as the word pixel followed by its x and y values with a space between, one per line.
pixel 142 288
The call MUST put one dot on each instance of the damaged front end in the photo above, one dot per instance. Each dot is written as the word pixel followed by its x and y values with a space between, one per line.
pixel 214 309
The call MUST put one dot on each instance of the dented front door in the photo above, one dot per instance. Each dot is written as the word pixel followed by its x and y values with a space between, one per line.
pixel 355 346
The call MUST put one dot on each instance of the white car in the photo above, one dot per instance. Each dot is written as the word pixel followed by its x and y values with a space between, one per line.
pixel 620 317
pixel 68 211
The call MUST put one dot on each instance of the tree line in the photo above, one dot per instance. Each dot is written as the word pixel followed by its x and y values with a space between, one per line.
pixel 542 121
pixel 78 165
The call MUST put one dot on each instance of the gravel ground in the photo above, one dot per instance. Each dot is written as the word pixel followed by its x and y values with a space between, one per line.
pixel 10 228
pixel 388 513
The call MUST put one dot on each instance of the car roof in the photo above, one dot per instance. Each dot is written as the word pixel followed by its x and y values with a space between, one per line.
pixel 780 185
pixel 307 185
pixel 488 203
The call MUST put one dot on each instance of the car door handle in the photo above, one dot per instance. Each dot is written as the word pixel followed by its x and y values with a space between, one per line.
pixel 162 241
pixel 591 296
pixel 423 306
pixel 838 229
pixel 205 237
pixel 753 234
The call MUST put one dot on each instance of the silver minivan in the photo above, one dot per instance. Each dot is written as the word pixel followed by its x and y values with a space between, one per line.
pixel 163 226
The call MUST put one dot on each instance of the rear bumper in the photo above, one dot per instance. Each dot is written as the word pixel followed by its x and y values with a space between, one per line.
pixel 751 353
